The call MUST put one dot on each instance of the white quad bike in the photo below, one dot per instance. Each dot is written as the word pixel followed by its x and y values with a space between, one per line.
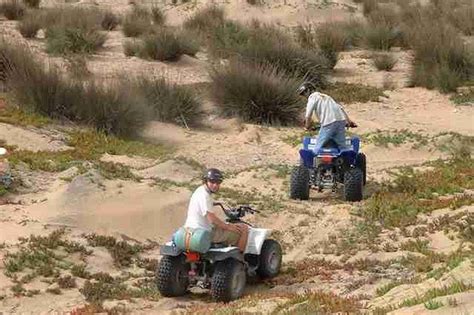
pixel 222 269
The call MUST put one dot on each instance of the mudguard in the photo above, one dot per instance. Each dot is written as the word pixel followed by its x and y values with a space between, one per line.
pixel 220 254
pixel 170 250
pixel 307 156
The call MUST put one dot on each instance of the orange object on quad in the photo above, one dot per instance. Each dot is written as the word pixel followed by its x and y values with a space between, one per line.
pixel 192 256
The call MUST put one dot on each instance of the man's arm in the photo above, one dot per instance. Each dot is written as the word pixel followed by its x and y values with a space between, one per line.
pixel 349 121
pixel 221 224
pixel 309 112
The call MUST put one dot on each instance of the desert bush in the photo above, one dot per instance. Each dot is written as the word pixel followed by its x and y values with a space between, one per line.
pixel 380 37
pixel 166 45
pixel 116 109
pixel 137 22
pixel 109 21
pixel 462 18
pixel 256 93
pixel 331 39
pixel 226 37
pixel 30 24
pixel 62 40
pixel 12 9
pixel 157 16
pixel 72 17
pixel 368 6
pixel 132 47
pixel 205 20
pixel 384 15
pixel 305 36
pixel 32 3
pixel 170 102
pixel 384 61
pixel 268 45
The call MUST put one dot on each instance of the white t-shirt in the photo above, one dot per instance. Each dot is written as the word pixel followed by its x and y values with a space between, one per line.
pixel 200 204
pixel 326 109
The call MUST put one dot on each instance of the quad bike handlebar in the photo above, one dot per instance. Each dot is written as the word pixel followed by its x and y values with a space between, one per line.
pixel 235 214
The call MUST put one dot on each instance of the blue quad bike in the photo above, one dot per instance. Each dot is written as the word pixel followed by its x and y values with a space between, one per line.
pixel 222 269
pixel 329 168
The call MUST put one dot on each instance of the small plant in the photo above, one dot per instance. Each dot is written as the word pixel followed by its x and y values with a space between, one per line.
pixel 350 93
pixel 384 61
pixel 259 94
pixel 331 39
pixel 433 305
pixel 167 45
pixel 171 103
pixel 62 40
pixel 12 9
pixel 32 3
pixel 464 98
pixel 305 36
pixel 66 282
pixel 205 20
pixel 30 25
pixel 380 37
pixel 137 22
pixel 109 21
pixel 157 16
pixel 132 47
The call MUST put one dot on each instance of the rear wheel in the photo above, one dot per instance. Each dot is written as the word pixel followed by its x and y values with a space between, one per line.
pixel 228 280
pixel 270 259
pixel 353 183
pixel 299 185
pixel 172 276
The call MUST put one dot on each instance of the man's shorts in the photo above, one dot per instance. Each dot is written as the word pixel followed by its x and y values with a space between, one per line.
pixel 225 236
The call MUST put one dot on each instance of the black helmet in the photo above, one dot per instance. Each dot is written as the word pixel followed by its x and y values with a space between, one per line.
pixel 213 175
pixel 306 87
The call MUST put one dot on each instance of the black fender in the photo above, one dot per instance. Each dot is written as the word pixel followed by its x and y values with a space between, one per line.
pixel 167 250
pixel 215 255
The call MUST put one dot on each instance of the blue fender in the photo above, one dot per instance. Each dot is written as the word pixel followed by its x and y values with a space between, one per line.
pixel 308 157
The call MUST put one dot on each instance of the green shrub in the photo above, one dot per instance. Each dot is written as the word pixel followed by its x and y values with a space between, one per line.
pixel 115 109
pixel 12 9
pixel 331 39
pixel 226 37
pixel 137 22
pixel 258 94
pixel 170 102
pixel 384 61
pixel 166 45
pixel 305 36
pixel 30 25
pixel 205 19
pixel 266 44
pixel 132 47
pixel 157 16
pixel 380 37
pixel 62 40
pixel 109 21
pixel 32 3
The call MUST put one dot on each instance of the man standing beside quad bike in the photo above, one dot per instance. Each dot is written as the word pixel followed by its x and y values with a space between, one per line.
pixel 330 160
pixel 331 115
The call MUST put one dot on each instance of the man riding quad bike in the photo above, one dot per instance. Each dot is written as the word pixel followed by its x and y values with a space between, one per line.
pixel 330 158
pixel 213 254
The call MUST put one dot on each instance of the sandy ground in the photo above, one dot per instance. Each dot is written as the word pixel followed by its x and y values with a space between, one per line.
pixel 150 210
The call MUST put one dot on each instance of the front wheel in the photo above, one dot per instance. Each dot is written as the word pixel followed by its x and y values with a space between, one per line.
pixel 228 280
pixel 361 162
pixel 172 276
pixel 270 259
pixel 353 183
pixel 299 184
